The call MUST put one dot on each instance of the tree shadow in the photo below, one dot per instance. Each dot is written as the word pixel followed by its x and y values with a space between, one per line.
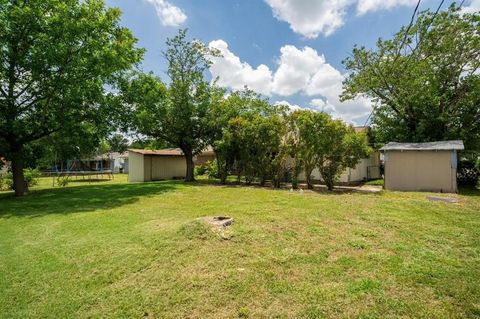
pixel 79 199
pixel 469 191
pixel 352 188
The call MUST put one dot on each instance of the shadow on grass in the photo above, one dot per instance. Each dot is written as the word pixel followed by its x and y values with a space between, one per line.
pixel 469 191
pixel 318 188
pixel 79 199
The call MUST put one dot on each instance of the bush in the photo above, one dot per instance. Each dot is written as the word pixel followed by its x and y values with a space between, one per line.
pixel 211 168
pixel 2 182
pixel 31 178
pixel 62 181
pixel 200 170
pixel 468 172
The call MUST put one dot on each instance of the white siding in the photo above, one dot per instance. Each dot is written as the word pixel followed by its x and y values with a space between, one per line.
pixel 136 169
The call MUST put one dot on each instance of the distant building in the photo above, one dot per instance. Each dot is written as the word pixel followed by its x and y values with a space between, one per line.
pixel 153 165
pixel 116 162
pixel 113 162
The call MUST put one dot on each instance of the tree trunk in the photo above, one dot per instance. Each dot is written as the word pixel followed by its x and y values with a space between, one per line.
pixel 262 181
pixel 222 171
pixel 19 184
pixel 329 184
pixel 308 174
pixel 295 173
pixel 189 176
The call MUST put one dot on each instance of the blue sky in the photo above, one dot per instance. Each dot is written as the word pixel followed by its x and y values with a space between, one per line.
pixel 289 50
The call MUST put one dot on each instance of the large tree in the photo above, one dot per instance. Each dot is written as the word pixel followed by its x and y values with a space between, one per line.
pixel 425 81
pixel 57 59
pixel 176 113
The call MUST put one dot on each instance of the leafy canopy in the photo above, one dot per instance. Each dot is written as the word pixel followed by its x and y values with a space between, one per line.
pixel 425 81
pixel 57 59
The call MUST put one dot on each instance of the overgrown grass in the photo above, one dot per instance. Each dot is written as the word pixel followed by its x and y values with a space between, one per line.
pixel 113 249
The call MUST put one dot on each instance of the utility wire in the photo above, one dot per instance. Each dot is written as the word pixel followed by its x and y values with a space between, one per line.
pixel 418 43
pixel 400 48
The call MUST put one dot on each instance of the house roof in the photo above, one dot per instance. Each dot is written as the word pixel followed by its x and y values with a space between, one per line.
pixel 164 152
pixel 112 155
pixel 455 145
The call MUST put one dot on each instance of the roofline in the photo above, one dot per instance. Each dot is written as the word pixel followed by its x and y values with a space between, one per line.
pixel 453 145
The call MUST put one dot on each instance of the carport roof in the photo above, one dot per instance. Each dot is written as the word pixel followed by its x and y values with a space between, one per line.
pixel 456 145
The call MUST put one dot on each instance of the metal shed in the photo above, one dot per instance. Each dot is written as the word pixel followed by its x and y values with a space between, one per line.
pixel 422 166
pixel 154 165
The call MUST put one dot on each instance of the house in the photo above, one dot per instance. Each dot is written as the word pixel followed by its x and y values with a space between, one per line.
pixel 114 161
pixel 422 166
pixel 206 156
pixel 367 169
pixel 109 162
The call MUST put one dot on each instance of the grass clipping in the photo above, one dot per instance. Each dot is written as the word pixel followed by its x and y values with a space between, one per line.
pixel 200 229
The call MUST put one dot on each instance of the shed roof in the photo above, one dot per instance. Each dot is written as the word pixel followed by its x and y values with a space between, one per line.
pixel 164 152
pixel 456 145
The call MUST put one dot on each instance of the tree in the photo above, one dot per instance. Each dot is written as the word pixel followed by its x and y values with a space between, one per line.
pixel 338 148
pixel 56 60
pixel 177 113
pixel 305 132
pixel 425 81
pixel 226 119
pixel 118 143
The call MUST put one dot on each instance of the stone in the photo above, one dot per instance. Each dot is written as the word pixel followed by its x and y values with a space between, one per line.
pixel 218 221
pixel 449 200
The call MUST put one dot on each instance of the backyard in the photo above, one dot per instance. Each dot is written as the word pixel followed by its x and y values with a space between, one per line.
pixel 114 249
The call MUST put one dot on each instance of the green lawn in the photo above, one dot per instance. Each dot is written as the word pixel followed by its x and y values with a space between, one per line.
pixel 113 249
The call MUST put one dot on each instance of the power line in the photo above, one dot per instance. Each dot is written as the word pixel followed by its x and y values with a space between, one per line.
pixel 400 48
pixel 417 44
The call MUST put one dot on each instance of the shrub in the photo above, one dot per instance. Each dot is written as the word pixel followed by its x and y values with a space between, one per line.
pixel 468 172
pixel 31 178
pixel 62 181
pixel 2 182
pixel 8 181
pixel 200 170
pixel 211 168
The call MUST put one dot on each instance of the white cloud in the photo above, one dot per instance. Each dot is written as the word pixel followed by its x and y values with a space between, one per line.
pixel 233 73
pixel 364 6
pixel 169 14
pixel 291 107
pixel 296 67
pixel 299 71
pixel 311 18
pixel 473 6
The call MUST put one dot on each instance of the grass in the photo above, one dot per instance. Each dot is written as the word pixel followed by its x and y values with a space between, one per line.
pixel 113 249
pixel 377 182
